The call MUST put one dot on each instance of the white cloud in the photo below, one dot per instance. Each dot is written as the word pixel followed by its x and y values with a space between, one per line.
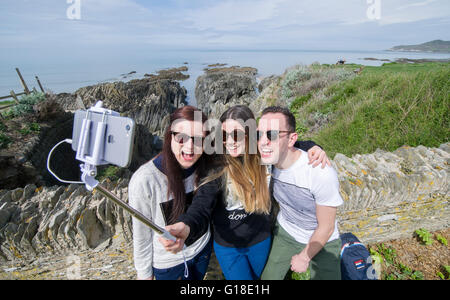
pixel 220 23
pixel 231 14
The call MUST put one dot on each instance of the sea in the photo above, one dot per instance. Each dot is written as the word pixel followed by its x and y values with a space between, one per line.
pixel 66 76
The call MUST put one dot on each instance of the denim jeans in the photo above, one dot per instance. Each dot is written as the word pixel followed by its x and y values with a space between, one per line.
pixel 197 267
pixel 243 263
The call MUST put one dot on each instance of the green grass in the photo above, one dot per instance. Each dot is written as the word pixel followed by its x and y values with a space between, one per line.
pixel 7 102
pixel 385 107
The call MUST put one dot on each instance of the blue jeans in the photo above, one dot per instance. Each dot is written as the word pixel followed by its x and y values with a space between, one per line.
pixel 243 263
pixel 197 267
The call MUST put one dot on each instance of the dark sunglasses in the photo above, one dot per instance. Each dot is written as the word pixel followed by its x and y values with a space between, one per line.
pixel 182 138
pixel 236 135
pixel 272 135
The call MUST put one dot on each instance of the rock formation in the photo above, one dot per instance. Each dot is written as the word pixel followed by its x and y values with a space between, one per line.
pixel 389 195
pixel 220 88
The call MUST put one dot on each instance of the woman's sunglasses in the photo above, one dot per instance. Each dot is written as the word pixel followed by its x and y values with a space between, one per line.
pixel 182 138
pixel 236 135
pixel 272 135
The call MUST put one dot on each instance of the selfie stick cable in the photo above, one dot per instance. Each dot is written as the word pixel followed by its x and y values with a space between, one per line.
pixel 89 171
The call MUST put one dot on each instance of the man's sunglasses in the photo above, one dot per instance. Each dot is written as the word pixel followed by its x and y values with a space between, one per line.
pixel 272 135
pixel 236 135
pixel 182 138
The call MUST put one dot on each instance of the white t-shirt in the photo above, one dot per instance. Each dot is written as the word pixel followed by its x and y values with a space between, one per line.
pixel 297 190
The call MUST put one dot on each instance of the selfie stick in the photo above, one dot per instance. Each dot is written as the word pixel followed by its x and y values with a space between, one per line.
pixel 89 169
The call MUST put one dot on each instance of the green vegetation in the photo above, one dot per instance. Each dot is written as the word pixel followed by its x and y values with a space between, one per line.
pixel 298 276
pixel 25 105
pixel 7 102
pixel 425 236
pixel 300 80
pixel 30 128
pixel 441 239
pixel 384 107
pixel 393 269
pixel 4 140
pixel 110 172
pixel 444 273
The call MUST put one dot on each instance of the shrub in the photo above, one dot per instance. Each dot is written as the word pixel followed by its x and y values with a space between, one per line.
pixel 299 101
pixel 293 80
pixel 302 80
pixel 26 103
pixel 4 140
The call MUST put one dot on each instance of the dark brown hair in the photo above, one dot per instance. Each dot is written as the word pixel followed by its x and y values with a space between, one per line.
pixel 172 169
pixel 290 119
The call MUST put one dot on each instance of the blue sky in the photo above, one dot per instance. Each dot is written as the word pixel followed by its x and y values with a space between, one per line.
pixel 35 27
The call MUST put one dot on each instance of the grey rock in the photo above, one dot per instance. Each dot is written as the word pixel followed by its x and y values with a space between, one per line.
pixel 220 88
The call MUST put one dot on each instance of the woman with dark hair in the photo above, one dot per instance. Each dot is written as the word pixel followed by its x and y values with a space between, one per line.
pixel 236 198
pixel 162 189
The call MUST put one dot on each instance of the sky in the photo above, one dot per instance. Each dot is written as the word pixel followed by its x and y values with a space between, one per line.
pixel 79 27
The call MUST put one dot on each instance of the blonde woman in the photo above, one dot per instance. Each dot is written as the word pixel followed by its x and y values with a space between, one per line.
pixel 236 198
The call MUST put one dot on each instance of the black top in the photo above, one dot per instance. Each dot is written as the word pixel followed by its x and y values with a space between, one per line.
pixel 231 228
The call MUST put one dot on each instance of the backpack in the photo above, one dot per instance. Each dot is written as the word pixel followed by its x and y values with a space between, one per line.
pixel 356 262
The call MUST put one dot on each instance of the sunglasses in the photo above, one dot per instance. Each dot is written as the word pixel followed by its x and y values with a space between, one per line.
pixel 236 135
pixel 272 135
pixel 182 138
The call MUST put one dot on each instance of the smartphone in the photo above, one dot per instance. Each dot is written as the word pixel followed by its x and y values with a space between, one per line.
pixel 117 142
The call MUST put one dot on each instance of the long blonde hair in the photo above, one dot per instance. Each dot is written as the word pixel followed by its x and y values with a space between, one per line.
pixel 247 175
pixel 249 182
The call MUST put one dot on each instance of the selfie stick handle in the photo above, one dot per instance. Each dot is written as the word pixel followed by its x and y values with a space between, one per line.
pixel 132 211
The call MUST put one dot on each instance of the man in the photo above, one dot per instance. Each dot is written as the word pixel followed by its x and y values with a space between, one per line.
pixel 306 230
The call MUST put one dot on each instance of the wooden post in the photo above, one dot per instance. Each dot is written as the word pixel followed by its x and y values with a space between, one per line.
pixel 25 88
pixel 39 83
pixel 15 97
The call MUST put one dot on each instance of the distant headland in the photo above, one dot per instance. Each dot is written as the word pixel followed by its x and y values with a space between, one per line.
pixel 436 46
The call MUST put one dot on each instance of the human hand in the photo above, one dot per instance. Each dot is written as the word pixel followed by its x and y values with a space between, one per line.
pixel 317 156
pixel 180 231
pixel 299 263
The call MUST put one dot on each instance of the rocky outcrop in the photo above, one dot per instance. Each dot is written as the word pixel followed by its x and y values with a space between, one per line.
pixel 40 221
pixel 386 196
pixel 146 101
pixel 220 88
pixel 389 195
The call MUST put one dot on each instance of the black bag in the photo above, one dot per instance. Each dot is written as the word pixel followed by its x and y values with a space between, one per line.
pixel 356 262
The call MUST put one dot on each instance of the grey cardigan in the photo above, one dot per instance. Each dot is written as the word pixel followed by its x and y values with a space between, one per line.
pixel 147 189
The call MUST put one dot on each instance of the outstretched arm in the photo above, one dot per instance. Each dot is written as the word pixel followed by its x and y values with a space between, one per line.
pixel 195 222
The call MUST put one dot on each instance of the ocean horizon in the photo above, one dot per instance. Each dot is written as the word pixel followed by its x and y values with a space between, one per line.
pixel 69 74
